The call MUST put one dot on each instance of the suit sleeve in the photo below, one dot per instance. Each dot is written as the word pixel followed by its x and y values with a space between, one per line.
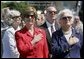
pixel 23 46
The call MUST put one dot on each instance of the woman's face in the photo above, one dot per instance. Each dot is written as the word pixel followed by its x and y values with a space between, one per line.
pixel 66 20
pixel 17 20
pixel 39 19
pixel 30 20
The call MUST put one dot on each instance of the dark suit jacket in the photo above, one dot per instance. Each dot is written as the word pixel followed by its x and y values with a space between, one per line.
pixel 60 47
pixel 48 37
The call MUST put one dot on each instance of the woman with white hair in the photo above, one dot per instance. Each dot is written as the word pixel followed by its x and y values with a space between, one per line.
pixel 66 42
pixel 4 20
pixel 78 25
pixel 8 40
pixel 4 24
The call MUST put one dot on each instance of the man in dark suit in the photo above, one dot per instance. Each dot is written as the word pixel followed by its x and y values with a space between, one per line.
pixel 50 25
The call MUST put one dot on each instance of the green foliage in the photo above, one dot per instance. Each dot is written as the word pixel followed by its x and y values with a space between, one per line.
pixel 3 5
pixel 18 6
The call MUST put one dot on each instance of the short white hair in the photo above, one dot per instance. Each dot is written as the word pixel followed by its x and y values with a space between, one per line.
pixel 51 7
pixel 14 13
pixel 60 14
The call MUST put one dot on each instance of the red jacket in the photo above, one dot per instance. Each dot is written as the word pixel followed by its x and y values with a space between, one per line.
pixel 25 48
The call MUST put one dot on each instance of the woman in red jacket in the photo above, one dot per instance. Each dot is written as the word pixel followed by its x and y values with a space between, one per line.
pixel 31 41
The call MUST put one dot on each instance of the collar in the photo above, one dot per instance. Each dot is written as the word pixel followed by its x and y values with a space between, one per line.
pixel 36 31
pixel 49 24
pixel 67 32
pixel 18 28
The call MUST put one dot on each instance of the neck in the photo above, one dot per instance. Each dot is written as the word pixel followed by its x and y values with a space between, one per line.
pixel 65 29
pixel 15 27
pixel 31 29
pixel 51 22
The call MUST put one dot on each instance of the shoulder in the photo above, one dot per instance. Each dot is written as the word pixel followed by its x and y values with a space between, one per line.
pixel 74 30
pixel 58 33
pixel 9 30
pixel 21 31
pixel 18 32
pixel 40 30
pixel 44 25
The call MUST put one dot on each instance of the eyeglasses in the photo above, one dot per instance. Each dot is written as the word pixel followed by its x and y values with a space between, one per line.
pixel 67 17
pixel 15 17
pixel 55 12
pixel 32 16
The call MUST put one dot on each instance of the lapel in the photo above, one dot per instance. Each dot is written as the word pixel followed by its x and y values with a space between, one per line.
pixel 48 35
pixel 62 37
pixel 44 26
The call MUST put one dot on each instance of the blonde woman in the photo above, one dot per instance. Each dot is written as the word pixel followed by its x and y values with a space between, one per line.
pixel 31 40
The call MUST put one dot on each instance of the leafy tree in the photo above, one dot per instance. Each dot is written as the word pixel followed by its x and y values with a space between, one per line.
pixel 13 5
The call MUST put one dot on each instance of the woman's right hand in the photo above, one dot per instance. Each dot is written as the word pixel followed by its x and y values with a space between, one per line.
pixel 73 40
pixel 36 38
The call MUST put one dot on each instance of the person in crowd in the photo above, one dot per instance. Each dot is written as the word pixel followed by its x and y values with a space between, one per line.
pixel 66 42
pixel 50 25
pixel 4 24
pixel 78 25
pixel 4 20
pixel 31 40
pixel 40 19
pixel 8 40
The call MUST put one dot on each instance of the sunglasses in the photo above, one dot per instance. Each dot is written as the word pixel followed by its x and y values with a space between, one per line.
pixel 50 12
pixel 16 17
pixel 67 17
pixel 32 16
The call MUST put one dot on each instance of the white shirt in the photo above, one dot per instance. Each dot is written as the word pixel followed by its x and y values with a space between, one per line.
pixel 49 27
pixel 9 44
pixel 67 34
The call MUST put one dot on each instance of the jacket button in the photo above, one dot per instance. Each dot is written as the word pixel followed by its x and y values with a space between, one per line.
pixel 67 50
pixel 64 51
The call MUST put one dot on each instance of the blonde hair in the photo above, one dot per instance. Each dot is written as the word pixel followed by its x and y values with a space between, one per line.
pixel 29 9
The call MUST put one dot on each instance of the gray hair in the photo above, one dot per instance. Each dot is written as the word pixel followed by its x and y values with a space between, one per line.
pixel 13 13
pixel 5 13
pixel 60 14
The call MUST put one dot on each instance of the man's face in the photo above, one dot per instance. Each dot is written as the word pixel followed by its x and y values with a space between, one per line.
pixel 51 13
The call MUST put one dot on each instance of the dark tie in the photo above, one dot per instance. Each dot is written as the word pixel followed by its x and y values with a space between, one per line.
pixel 52 30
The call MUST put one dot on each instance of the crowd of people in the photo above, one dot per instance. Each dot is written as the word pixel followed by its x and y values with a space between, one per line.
pixel 34 34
